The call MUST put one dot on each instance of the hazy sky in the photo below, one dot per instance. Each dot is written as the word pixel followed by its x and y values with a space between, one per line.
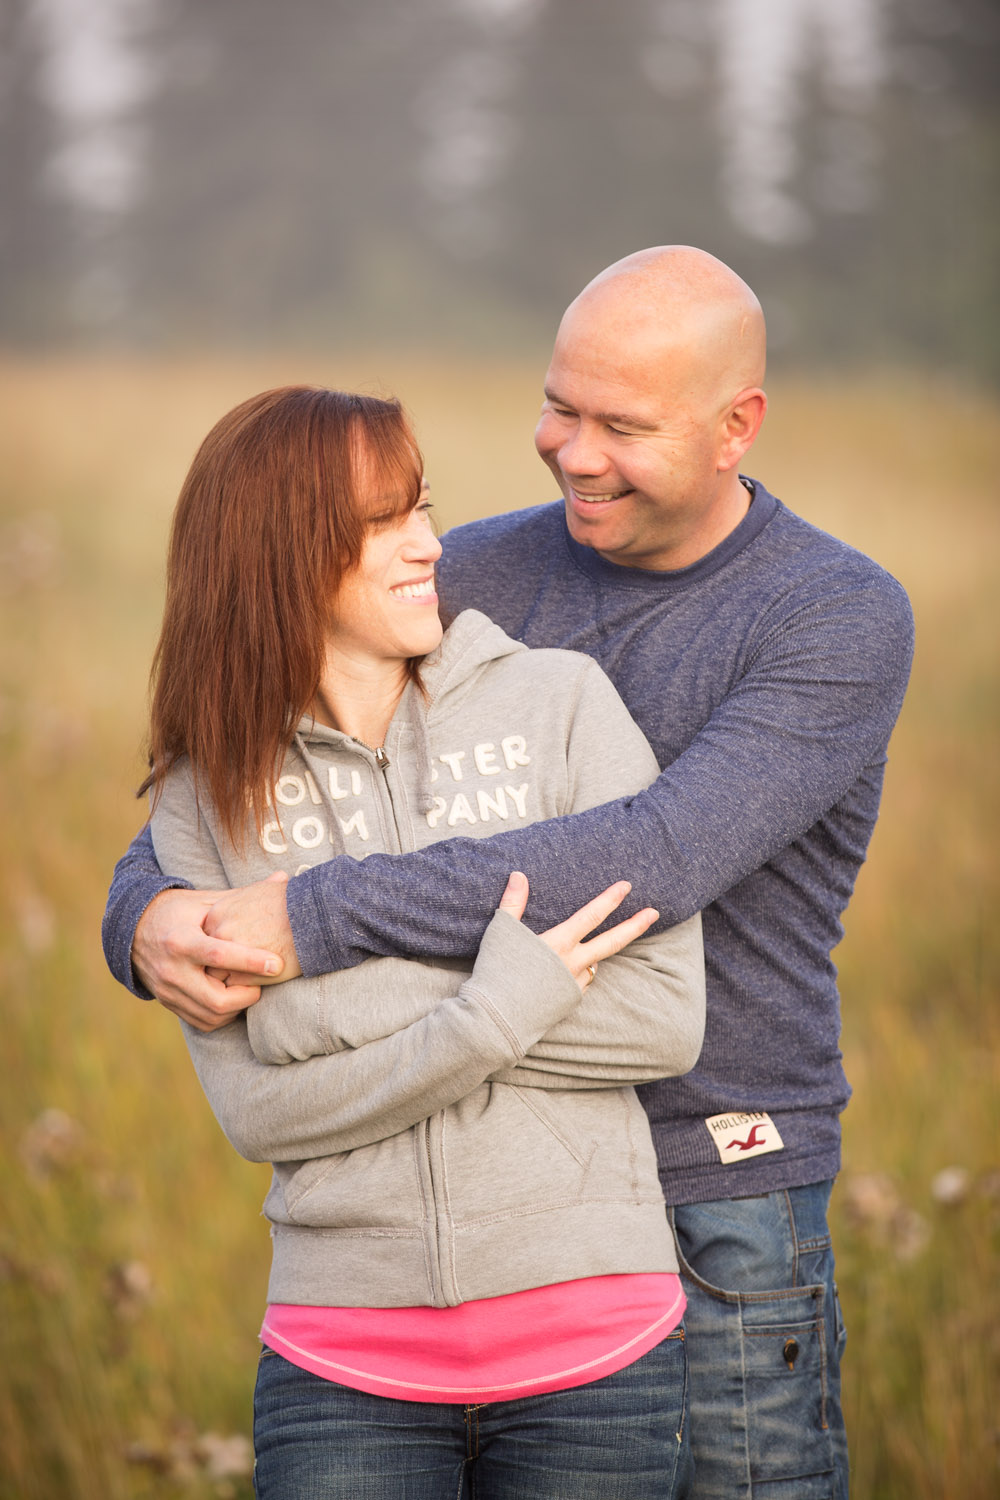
pixel 96 74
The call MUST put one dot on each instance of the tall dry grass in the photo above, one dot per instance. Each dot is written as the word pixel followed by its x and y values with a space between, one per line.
pixel 132 1258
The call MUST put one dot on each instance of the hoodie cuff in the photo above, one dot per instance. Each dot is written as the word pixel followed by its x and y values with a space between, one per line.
pixel 525 987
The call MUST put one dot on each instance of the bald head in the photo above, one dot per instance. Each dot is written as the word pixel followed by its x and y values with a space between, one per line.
pixel 676 302
pixel 652 398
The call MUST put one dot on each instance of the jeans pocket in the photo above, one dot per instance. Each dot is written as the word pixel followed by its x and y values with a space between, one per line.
pixel 760 1394
pixel 759 1373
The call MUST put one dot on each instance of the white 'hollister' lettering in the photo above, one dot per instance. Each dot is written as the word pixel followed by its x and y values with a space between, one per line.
pixel 310 832
pixel 513 749
pixel 485 805
pixel 489 805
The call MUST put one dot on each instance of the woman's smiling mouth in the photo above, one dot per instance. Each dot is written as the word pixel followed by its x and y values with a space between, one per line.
pixel 420 588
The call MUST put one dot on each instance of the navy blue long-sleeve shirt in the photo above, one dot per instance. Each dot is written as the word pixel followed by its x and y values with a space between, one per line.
pixel 767 676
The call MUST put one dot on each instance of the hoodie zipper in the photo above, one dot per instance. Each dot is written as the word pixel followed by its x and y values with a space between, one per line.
pixel 381 759
pixel 443 1267
pixel 436 1180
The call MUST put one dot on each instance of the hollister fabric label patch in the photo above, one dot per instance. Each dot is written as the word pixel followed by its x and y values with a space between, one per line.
pixel 738 1137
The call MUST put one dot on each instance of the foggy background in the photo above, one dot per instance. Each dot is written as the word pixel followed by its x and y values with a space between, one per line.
pixel 447 173
pixel 204 198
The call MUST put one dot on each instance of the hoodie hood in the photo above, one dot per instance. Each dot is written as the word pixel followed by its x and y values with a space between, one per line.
pixel 470 643
pixel 468 646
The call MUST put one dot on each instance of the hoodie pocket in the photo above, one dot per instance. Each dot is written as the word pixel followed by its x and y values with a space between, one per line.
pixel 374 1187
pixel 577 1143
pixel 509 1150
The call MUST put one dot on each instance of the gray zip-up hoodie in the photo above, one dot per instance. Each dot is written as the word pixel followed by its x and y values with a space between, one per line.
pixel 440 1136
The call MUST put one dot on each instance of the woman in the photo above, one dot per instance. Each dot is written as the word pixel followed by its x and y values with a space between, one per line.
pixel 473 1287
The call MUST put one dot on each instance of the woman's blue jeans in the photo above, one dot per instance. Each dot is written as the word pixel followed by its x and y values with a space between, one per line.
pixel 620 1438
pixel 765 1338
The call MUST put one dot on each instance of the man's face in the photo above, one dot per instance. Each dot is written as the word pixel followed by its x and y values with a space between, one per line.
pixel 631 430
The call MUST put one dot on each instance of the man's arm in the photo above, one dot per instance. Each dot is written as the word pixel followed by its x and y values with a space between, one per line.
pixel 135 885
pixel 812 712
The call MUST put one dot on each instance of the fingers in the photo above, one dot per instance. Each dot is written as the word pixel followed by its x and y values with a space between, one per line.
pixel 236 959
pixel 567 940
pixel 245 977
pixel 515 896
pixel 206 1003
pixel 190 947
pixel 251 925
pixel 606 944
pixel 576 927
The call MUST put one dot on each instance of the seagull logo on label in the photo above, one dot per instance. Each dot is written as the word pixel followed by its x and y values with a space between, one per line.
pixel 751 1141
pixel 740 1135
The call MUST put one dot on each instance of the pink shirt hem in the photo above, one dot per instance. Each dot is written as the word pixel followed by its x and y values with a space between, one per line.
pixel 503 1348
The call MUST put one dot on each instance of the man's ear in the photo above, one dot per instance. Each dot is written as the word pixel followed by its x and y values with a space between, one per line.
pixel 740 426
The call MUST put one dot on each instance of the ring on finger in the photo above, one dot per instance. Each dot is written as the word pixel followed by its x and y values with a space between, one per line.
pixel 592 970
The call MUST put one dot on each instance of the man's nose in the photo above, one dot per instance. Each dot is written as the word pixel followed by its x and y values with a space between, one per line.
pixel 582 452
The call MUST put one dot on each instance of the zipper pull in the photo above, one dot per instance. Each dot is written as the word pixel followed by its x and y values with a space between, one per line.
pixel 381 759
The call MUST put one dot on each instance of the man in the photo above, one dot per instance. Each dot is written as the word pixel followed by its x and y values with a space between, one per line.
pixel 766 663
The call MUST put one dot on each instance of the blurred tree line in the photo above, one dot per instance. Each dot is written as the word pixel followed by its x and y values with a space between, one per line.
pixel 236 172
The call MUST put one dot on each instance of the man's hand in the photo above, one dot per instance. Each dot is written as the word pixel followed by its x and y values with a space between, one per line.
pixel 256 914
pixel 172 953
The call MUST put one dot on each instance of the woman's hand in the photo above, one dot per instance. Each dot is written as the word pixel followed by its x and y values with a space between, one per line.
pixel 566 940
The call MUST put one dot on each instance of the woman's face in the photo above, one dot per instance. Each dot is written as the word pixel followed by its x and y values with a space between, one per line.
pixel 386 608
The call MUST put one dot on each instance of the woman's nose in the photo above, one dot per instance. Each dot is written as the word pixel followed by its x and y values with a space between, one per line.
pixel 421 543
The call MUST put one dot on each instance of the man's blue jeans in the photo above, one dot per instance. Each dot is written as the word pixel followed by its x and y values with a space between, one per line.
pixel 765 1338
pixel 620 1438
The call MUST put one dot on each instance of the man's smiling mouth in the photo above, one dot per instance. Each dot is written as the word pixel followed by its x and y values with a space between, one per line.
pixel 599 499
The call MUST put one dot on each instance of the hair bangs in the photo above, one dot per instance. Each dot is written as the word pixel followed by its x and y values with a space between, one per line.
pixel 389 467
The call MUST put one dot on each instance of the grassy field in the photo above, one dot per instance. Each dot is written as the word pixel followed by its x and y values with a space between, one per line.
pixel 132 1258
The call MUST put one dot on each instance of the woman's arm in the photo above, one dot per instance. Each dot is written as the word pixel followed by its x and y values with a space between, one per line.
pixel 323 1105
pixel 642 1018
pixel 519 987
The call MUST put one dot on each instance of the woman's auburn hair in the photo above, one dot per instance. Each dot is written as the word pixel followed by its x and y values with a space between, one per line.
pixel 272 515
